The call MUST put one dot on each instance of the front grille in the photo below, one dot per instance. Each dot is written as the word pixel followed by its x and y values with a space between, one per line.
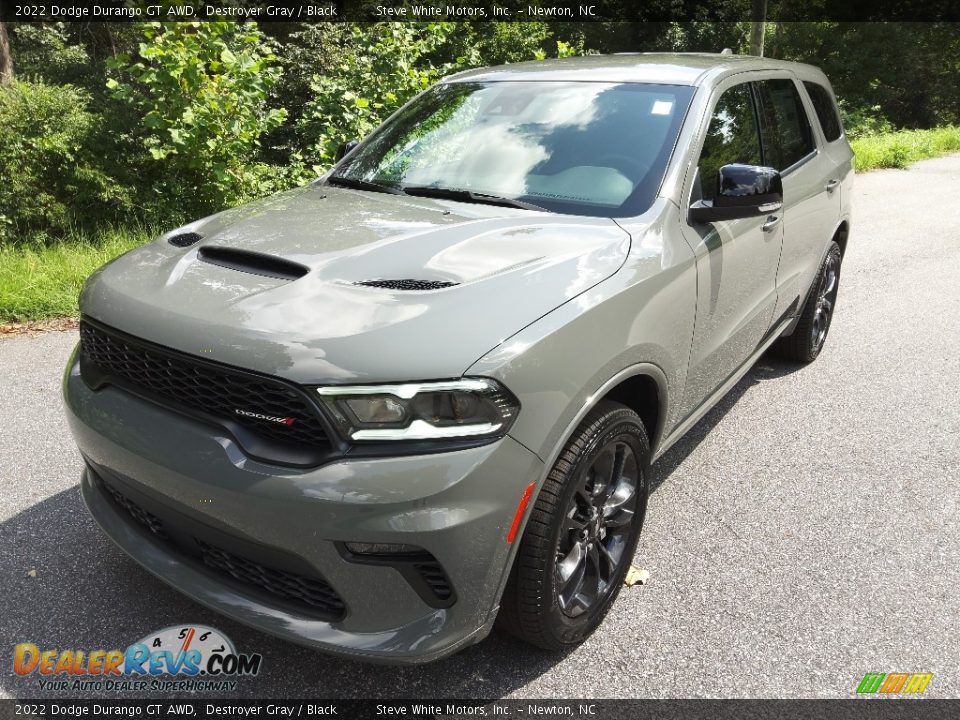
pixel 287 585
pixel 313 592
pixel 408 284
pixel 210 389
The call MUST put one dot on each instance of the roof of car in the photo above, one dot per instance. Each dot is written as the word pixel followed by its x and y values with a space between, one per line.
pixel 662 68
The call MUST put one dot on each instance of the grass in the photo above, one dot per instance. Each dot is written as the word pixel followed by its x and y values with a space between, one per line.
pixel 43 282
pixel 903 147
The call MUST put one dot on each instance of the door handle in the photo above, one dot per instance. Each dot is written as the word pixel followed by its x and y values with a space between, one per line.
pixel 831 186
pixel 771 223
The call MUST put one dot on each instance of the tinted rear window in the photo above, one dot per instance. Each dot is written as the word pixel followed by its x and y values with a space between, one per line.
pixel 784 127
pixel 825 109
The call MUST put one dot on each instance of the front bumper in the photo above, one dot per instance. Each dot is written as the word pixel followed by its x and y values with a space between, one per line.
pixel 458 506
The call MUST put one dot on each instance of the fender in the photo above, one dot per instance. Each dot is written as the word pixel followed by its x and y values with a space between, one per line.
pixel 643 368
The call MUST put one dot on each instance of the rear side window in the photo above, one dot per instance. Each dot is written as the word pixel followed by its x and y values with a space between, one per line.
pixel 731 138
pixel 825 109
pixel 784 127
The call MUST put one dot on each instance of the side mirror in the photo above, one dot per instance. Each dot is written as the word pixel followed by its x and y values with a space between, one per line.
pixel 345 149
pixel 742 191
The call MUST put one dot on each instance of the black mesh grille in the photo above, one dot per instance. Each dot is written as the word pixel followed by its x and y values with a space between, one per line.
pixel 408 284
pixel 311 591
pixel 297 588
pixel 209 388
pixel 184 239
pixel 147 519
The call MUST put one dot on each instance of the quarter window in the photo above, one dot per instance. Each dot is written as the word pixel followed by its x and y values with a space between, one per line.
pixel 826 110
pixel 731 138
pixel 784 126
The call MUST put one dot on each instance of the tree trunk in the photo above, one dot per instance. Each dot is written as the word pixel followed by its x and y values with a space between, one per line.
pixel 6 59
pixel 758 27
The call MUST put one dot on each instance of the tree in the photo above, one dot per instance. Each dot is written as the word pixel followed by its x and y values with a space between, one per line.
pixel 758 27
pixel 6 59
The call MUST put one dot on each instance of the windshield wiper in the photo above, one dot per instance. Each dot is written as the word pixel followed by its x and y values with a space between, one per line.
pixel 362 185
pixel 468 196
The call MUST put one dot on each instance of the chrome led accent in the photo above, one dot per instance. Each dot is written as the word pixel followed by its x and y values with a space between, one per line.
pixel 408 390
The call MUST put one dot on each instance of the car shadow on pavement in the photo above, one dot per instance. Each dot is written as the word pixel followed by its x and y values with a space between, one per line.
pixel 66 586
pixel 766 368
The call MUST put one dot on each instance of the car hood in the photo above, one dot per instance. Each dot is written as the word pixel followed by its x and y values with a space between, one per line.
pixel 507 267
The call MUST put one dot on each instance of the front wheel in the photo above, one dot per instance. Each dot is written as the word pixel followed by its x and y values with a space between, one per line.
pixel 806 341
pixel 582 533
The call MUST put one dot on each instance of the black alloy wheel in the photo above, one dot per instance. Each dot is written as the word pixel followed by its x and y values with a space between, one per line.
pixel 582 532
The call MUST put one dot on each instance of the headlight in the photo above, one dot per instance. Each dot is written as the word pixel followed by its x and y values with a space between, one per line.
pixel 466 408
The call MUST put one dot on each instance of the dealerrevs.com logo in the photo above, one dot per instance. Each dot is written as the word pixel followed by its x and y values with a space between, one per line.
pixel 182 658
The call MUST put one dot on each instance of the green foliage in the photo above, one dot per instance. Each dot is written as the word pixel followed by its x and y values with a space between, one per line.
pixel 44 282
pixel 50 179
pixel 46 50
pixel 904 73
pixel 200 91
pixel 862 122
pixel 900 149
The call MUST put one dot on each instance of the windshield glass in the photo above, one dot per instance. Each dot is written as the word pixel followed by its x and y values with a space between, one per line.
pixel 581 148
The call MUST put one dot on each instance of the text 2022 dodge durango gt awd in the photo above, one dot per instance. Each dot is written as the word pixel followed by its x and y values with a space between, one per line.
pixel 380 412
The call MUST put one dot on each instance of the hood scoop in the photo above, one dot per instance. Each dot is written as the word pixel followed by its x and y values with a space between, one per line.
pixel 408 284
pixel 251 262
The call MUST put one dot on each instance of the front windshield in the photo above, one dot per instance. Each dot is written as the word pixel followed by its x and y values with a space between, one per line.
pixel 583 148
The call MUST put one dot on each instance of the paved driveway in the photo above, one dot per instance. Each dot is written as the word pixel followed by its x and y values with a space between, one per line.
pixel 804 533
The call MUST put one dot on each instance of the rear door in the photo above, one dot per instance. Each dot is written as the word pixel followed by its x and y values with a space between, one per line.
pixel 810 189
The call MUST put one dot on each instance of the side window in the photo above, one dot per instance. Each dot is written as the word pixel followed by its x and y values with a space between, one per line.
pixel 784 126
pixel 731 138
pixel 826 110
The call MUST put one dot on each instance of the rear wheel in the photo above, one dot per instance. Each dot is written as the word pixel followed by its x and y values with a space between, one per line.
pixel 582 532
pixel 806 341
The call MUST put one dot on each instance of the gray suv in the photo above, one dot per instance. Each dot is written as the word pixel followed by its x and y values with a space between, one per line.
pixel 379 413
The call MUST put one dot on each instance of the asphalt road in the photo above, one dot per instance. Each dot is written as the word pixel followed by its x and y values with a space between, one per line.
pixel 804 533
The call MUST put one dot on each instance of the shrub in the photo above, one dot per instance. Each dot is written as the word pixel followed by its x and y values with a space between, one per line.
pixel 200 91
pixel 900 149
pixel 50 180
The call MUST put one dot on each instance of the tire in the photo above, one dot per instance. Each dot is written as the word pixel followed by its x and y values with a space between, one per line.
pixel 541 603
pixel 808 337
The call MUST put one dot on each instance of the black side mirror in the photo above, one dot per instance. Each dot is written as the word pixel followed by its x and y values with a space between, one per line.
pixel 345 149
pixel 742 191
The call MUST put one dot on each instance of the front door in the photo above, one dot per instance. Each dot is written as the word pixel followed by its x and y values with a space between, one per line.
pixel 736 260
